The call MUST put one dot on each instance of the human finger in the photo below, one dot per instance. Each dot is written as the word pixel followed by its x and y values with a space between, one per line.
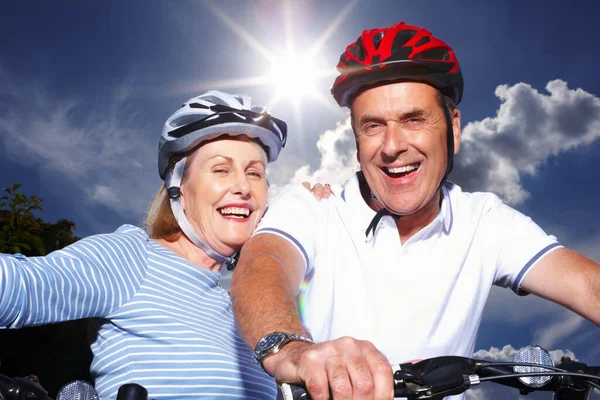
pixel 381 371
pixel 317 191
pixel 361 376
pixel 312 370
pixel 339 379
pixel 327 191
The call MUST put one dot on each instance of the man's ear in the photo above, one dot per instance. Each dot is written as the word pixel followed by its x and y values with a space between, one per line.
pixel 456 129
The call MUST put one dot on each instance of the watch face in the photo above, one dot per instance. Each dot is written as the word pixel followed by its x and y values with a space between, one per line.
pixel 267 343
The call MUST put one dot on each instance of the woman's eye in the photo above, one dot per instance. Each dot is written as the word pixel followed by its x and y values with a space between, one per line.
pixel 220 171
pixel 255 174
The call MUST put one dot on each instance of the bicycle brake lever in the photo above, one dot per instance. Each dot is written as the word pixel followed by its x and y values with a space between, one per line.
pixel 435 378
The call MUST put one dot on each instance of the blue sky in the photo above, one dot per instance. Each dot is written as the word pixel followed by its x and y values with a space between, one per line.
pixel 86 86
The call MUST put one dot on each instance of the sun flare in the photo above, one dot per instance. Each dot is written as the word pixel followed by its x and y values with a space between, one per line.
pixel 293 76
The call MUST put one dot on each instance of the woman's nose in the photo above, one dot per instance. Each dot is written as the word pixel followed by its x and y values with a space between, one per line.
pixel 241 185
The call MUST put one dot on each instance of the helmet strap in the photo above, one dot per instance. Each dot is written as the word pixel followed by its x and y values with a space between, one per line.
pixel 449 139
pixel 375 221
pixel 380 214
pixel 173 183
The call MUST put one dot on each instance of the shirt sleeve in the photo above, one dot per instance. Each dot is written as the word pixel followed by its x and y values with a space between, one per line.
pixel 89 278
pixel 520 243
pixel 294 216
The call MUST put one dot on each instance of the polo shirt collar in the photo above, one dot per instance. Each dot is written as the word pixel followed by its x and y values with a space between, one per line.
pixel 446 212
pixel 363 214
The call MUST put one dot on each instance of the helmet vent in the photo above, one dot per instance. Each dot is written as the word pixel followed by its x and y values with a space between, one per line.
pixel 358 50
pixel 438 54
pixel 422 41
pixel 198 105
pixel 183 120
pixel 401 54
pixel 402 38
pixel 377 39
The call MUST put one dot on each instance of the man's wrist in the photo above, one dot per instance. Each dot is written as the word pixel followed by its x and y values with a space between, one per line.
pixel 286 359
pixel 273 343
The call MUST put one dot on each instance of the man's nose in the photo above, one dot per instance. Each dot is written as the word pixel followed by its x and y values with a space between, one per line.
pixel 394 141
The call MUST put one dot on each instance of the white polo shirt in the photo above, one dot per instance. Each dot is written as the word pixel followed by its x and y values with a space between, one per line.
pixel 420 299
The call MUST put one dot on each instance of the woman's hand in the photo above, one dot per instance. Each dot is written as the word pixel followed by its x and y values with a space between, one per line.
pixel 318 190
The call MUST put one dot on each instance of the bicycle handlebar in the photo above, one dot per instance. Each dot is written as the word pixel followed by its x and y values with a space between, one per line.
pixel 438 377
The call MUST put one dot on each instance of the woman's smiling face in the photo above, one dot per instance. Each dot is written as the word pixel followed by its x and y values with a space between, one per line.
pixel 224 194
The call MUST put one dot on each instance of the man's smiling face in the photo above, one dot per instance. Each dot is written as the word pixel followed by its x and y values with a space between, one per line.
pixel 402 145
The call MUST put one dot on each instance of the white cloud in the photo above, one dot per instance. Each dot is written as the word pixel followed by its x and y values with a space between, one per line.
pixel 338 160
pixel 562 328
pixel 98 146
pixel 505 305
pixel 490 391
pixel 508 353
pixel 550 324
pixel 529 127
pixel 476 394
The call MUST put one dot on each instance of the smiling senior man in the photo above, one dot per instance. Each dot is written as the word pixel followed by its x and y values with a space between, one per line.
pixel 398 266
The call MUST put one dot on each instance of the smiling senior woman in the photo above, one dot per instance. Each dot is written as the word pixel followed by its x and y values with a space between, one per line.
pixel 159 319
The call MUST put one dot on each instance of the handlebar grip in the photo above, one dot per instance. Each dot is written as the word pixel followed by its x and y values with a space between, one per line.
pixel 132 391
pixel 293 392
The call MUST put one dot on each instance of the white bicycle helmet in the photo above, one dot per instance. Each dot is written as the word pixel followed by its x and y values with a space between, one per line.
pixel 213 114
pixel 207 117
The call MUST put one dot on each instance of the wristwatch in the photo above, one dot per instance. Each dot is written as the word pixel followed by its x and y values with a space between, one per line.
pixel 272 343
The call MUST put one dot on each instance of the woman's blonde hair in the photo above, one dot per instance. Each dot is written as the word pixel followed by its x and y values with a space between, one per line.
pixel 160 221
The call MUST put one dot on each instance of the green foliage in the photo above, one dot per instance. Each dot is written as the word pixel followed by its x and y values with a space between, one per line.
pixel 40 349
pixel 23 232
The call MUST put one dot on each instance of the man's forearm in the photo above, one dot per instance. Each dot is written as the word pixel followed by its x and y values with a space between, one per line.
pixel 264 288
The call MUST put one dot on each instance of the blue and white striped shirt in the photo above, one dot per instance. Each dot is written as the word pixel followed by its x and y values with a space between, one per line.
pixel 161 322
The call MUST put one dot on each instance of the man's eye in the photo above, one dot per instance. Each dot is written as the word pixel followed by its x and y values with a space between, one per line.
pixel 373 128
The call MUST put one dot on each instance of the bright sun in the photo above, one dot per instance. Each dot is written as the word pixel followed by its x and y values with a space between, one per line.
pixel 293 76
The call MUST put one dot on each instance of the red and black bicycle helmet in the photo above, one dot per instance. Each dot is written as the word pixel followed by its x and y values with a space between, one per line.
pixel 398 53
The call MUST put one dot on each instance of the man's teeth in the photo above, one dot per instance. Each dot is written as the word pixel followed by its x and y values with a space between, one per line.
pixel 401 170
pixel 235 211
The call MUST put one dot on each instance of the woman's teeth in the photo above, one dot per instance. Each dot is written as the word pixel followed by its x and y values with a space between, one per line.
pixel 237 212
